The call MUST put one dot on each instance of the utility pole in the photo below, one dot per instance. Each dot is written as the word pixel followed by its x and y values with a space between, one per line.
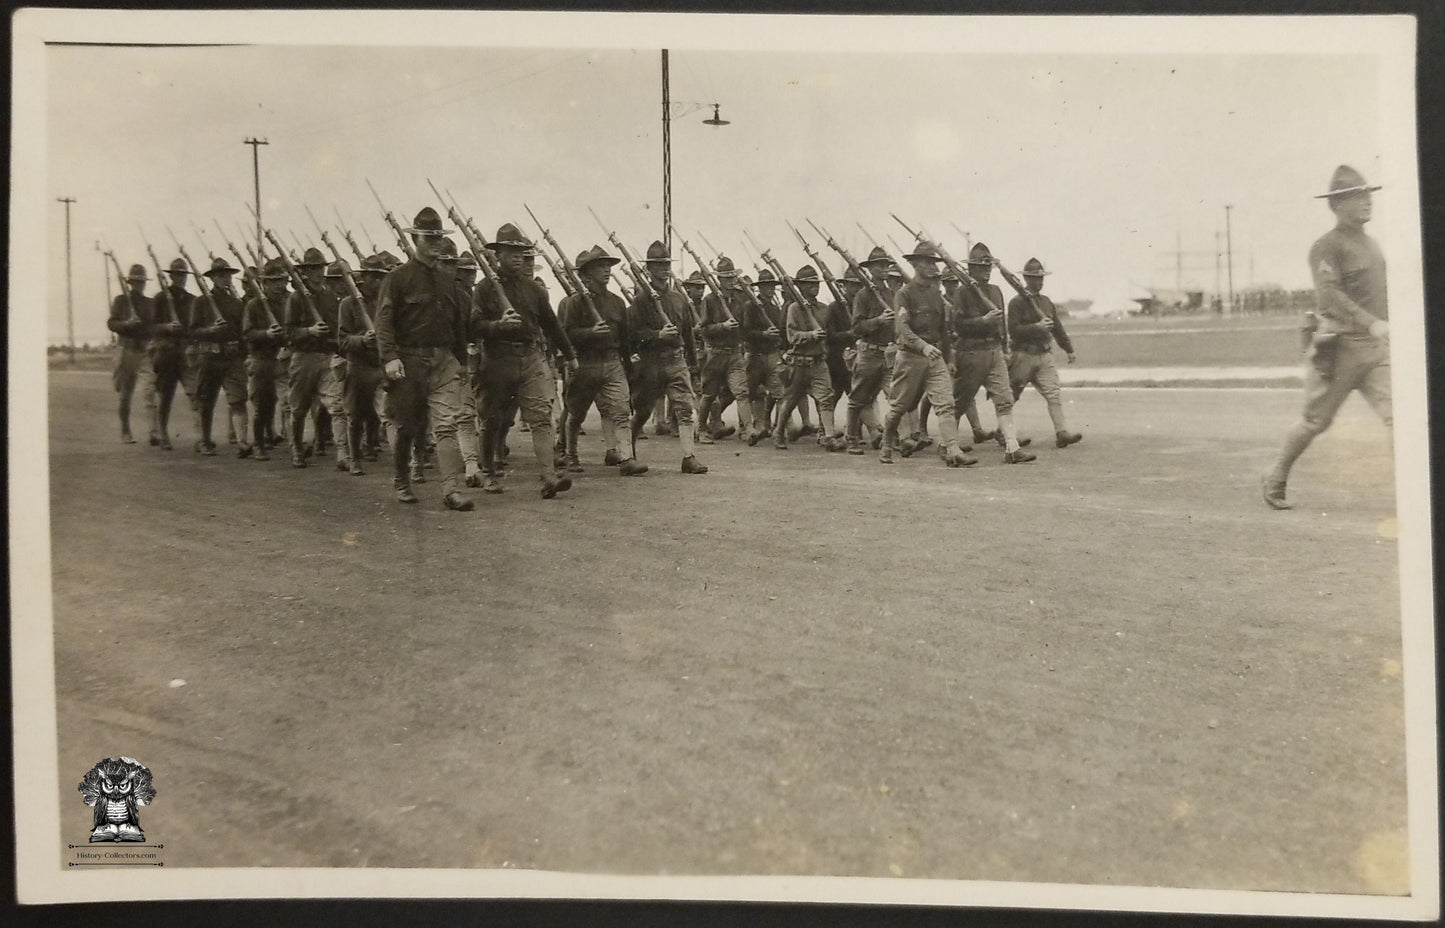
pixel 666 156
pixel 69 305
pixel 1217 259
pixel 256 170
pixel 1229 246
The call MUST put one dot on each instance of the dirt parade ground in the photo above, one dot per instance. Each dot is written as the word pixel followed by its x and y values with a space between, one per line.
pixel 1113 665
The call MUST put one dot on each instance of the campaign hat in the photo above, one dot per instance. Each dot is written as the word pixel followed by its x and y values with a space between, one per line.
pixel 374 264
pixel 1033 267
pixel 509 236
pixel 657 253
pixel 137 272
pixel 979 254
pixel 924 252
pixel 389 260
pixel 695 279
pixel 767 277
pixel 467 261
pixel 850 276
pixel 312 257
pixel 427 222
pixel 178 266
pixel 807 274
pixel 725 267
pixel 221 266
pixel 447 251
pixel 1345 181
pixel 275 269
pixel 877 256
pixel 594 254
pixel 337 269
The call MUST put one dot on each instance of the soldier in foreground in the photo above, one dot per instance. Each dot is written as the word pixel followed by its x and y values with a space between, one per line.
pixel 132 314
pixel 978 353
pixel 808 337
pixel 421 336
pixel 1034 326
pixel 1349 340
pixel 223 359
pixel 763 334
pixel 726 368
pixel 168 347
pixel 265 337
pixel 665 351
pixel 873 328
pixel 603 366
pixel 514 324
pixel 924 358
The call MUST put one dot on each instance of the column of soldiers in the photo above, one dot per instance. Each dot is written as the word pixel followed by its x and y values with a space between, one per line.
pixel 421 356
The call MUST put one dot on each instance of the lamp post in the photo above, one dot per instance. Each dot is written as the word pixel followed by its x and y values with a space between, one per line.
pixel 716 120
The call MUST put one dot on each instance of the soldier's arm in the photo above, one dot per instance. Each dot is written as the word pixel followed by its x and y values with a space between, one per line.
pixel 1326 262
pixel 1019 310
pixel 685 334
pixel 965 323
pixel 487 312
pixel 386 322
pixel 295 323
pixel 640 322
pixel 350 336
pixel 865 321
pixel 547 319
pixel 120 321
pixel 1059 334
pixel 254 323
pixel 714 322
pixel 575 321
pixel 795 326
pixel 902 331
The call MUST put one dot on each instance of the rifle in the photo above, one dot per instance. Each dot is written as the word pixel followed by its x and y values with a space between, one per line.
pixel 803 303
pixel 200 236
pixel 175 322
pixel 747 287
pixel 255 277
pixel 476 240
pixel 566 274
pixel 345 272
pixel 856 268
pixel 401 238
pixel 296 280
pixel 707 275
pixel 628 293
pixel 124 288
pixel 479 248
pixel 833 286
pixel 964 277
pixel 638 274
pixel 201 282
pixel 345 231
pixel 894 261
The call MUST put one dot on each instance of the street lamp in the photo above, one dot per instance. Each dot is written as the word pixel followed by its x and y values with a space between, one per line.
pixel 715 121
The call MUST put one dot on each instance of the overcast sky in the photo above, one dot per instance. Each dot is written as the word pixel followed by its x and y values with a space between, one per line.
pixel 1096 163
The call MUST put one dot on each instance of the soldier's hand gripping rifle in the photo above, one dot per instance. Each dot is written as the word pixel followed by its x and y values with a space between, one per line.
pixel 856 268
pixel 298 282
pixel 134 317
pixel 833 286
pixel 565 273
pixel 963 276
pixel 747 286
pixel 639 276
pixel 806 305
pixel 1049 319
pixel 484 258
pixel 252 271
pixel 386 214
pixel 174 326
pixel 708 277
pixel 346 273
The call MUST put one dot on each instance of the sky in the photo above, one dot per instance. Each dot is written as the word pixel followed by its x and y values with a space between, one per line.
pixel 1103 165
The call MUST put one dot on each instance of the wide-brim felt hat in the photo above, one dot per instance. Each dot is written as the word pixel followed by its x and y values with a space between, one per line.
pixel 924 252
pixel 312 257
pixel 221 266
pixel 593 255
pixel 657 253
pixel 979 254
pixel 1033 267
pixel 509 236
pixel 807 274
pixel 337 269
pixel 877 256
pixel 427 222
pixel 767 278
pixel 468 261
pixel 137 272
pixel 275 269
pixel 374 264
pixel 1345 181
pixel 178 266
pixel 724 267
pixel 695 279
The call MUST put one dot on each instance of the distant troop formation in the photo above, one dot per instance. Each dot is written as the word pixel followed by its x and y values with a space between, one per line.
pixel 437 356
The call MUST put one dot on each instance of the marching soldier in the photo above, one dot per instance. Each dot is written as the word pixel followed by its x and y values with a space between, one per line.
pixel 222 360
pixel 421 337
pixel 1034 326
pixel 978 353
pixel 265 337
pixel 873 328
pixel 132 315
pixel 467 437
pixel 361 385
pixel 603 364
pixel 924 358
pixel 763 325
pixel 808 336
pixel 1349 337
pixel 310 340
pixel 665 353
pixel 726 369
pixel 515 336
pixel 838 321
pixel 168 346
